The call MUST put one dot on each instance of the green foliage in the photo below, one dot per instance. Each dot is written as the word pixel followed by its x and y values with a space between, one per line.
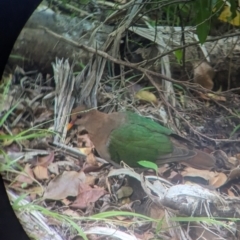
pixel 200 13
pixel 60 217
pixel 179 54
pixel 233 8
pixel 203 16
pixel 148 164
pixel 235 130
pixel 4 118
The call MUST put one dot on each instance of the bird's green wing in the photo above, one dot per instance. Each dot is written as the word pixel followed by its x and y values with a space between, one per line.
pixel 147 123
pixel 139 140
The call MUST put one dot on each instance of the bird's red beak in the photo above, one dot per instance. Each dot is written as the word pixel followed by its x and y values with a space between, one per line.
pixel 70 125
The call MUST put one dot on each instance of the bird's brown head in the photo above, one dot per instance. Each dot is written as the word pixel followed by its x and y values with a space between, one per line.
pixel 79 116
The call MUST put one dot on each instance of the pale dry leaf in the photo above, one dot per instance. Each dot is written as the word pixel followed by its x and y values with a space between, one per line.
pixel 40 172
pixel 64 185
pixel 215 179
pixel 218 180
pixel 26 176
pixel 124 191
pixel 90 159
pixel 238 156
pixel 193 172
pixel 90 180
pixel 53 168
pixel 233 160
pixel 66 202
pixel 216 97
pixel 146 96
pixel 71 213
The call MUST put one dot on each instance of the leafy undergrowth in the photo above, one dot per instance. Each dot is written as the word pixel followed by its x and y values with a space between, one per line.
pixel 68 196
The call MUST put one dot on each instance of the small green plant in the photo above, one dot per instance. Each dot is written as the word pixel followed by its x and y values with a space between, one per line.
pixel 148 164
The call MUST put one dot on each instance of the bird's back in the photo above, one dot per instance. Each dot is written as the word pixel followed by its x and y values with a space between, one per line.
pixel 138 138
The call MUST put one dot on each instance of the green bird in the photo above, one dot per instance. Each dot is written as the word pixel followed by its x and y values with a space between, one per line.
pixel 129 137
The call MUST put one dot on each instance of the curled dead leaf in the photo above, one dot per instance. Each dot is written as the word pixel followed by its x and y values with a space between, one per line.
pixel 146 96
pixel 215 179
pixel 45 161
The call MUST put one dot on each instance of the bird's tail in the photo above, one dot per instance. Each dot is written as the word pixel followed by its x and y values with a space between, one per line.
pixel 194 158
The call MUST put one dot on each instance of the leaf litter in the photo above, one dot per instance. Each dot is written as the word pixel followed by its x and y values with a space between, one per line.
pixel 78 188
pixel 64 182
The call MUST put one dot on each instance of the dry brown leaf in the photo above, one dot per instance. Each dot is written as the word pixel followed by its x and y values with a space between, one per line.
pixel 215 179
pixel 44 161
pixel 26 176
pixel 156 212
pixel 53 168
pixel 41 172
pixel 87 195
pixel 64 185
pixel 203 74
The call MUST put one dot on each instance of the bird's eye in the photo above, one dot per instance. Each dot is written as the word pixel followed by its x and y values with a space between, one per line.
pixel 79 116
